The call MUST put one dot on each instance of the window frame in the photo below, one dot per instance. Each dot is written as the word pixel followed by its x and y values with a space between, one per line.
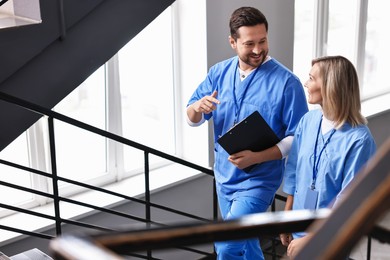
pixel 321 28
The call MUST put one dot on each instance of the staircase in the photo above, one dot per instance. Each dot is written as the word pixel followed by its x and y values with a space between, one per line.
pixel 43 63
pixel 32 254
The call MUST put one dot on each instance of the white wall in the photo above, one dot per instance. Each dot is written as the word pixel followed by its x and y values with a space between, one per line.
pixel 280 16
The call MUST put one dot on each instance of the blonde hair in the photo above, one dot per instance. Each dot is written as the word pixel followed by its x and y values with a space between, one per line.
pixel 340 91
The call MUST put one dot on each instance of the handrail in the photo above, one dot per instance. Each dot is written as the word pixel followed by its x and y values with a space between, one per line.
pixel 334 232
pixel 113 244
pixel 55 178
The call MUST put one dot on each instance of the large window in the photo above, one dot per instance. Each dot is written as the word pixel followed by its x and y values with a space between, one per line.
pixel 146 86
pixel 81 155
pixel 303 38
pixel 137 84
pixel 377 52
pixel 354 29
pixel 132 95
pixel 342 29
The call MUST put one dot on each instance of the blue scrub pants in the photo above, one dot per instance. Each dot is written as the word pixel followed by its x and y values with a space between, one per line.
pixel 240 249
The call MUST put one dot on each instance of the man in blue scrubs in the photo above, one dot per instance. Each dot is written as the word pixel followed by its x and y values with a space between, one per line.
pixel 232 90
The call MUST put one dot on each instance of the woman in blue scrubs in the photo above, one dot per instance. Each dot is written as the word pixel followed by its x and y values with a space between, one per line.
pixel 331 144
pixel 233 89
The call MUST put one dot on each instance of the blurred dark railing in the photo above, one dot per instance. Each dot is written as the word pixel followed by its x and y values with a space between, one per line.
pixel 334 232
pixel 116 244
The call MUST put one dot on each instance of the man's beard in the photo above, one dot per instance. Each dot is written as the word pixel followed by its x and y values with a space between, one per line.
pixel 248 61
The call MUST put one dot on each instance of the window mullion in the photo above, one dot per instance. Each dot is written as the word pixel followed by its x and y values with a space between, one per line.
pixel 360 47
pixel 114 117
pixel 178 105
pixel 37 155
pixel 321 20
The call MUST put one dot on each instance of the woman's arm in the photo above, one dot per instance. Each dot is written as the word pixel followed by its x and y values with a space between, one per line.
pixel 286 238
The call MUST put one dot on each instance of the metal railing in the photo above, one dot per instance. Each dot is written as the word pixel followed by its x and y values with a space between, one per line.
pixel 56 198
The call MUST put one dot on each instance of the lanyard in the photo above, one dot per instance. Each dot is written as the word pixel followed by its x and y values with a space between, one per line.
pixel 238 106
pixel 317 161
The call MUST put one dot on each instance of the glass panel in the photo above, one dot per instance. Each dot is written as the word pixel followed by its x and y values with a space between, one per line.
pixel 377 49
pixel 81 155
pixel 342 28
pixel 303 38
pixel 146 81
pixel 17 153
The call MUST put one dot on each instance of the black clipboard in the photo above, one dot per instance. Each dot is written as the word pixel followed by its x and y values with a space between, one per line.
pixel 252 133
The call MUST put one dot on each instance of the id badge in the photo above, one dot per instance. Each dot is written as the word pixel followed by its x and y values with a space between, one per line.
pixel 310 199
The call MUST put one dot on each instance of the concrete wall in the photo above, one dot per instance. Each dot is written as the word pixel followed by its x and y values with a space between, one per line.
pixel 379 125
pixel 280 16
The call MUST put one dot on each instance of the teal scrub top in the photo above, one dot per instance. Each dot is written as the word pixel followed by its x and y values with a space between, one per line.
pixel 279 97
pixel 345 154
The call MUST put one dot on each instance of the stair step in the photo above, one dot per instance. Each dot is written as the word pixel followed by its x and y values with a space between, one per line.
pixel 3 256
pixel 32 254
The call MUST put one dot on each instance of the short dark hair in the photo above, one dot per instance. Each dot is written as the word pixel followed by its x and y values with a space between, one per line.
pixel 246 16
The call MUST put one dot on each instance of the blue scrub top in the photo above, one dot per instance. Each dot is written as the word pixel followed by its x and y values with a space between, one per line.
pixel 279 97
pixel 345 154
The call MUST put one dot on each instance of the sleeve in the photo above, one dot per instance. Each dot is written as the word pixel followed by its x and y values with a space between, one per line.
pixel 205 88
pixel 291 165
pixel 190 123
pixel 358 156
pixel 285 145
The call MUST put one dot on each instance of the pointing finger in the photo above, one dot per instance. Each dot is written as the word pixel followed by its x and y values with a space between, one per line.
pixel 214 97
